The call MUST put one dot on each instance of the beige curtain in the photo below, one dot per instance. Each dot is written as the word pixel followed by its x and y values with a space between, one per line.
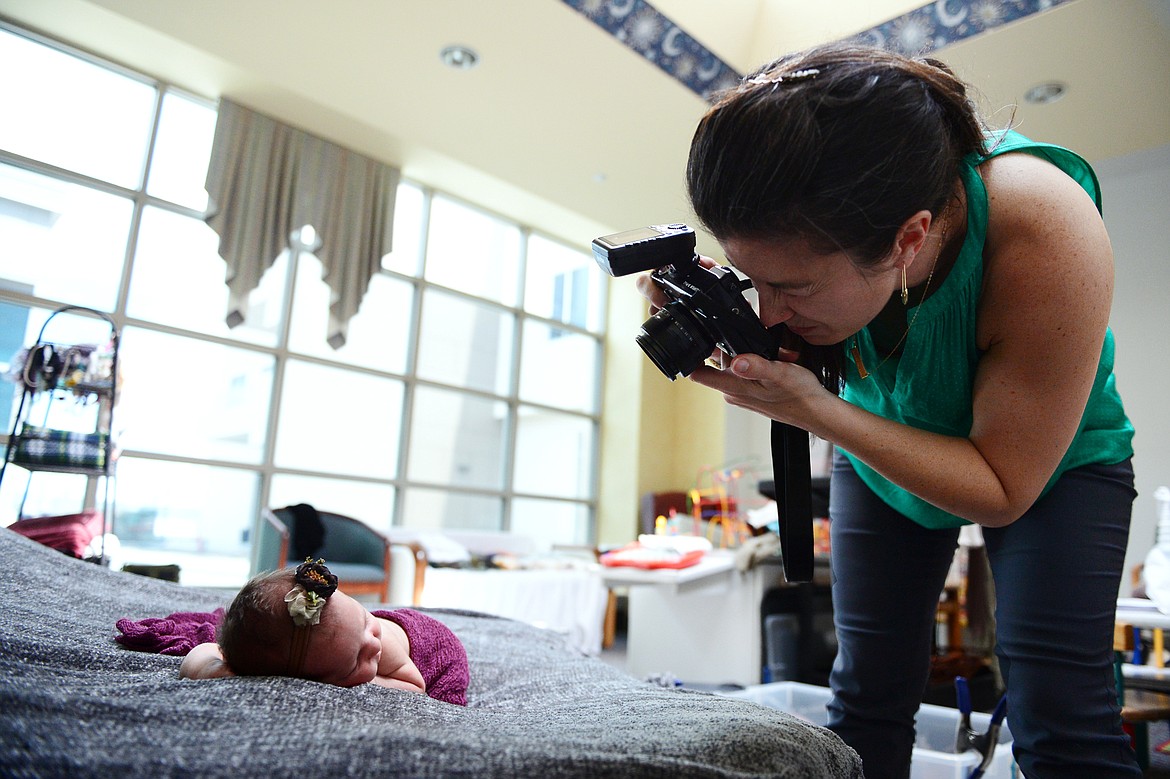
pixel 267 180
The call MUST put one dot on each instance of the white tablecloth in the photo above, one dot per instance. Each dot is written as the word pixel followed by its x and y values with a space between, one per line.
pixel 569 601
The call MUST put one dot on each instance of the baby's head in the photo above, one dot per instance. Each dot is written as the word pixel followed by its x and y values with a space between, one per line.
pixel 269 629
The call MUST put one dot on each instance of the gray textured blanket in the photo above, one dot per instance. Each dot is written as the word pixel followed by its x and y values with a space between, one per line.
pixel 74 703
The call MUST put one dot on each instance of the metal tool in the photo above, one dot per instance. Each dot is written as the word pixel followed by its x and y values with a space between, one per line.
pixel 969 738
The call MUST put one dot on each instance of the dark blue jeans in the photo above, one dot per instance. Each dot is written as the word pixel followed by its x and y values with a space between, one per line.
pixel 1057 571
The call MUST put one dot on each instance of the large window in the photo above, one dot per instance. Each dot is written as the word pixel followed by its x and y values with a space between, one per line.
pixel 466 396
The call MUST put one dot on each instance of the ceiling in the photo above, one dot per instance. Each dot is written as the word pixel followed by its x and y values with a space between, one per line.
pixel 560 125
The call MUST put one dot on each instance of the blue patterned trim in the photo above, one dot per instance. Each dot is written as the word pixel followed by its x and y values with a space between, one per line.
pixel 944 22
pixel 641 27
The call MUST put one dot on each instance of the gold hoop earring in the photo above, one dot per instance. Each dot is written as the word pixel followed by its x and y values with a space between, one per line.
pixel 905 290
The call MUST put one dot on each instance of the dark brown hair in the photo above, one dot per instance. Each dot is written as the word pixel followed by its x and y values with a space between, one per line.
pixel 256 633
pixel 837 145
pixel 841 151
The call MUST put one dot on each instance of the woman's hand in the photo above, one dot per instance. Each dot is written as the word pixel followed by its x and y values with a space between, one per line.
pixel 778 389
pixel 652 292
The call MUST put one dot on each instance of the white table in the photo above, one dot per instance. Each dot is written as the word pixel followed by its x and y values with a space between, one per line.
pixel 699 624
pixel 1142 613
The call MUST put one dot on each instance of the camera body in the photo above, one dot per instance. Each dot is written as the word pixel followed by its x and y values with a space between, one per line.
pixel 707 308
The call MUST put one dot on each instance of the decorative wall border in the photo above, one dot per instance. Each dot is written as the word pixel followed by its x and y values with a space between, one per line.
pixel 641 27
pixel 944 22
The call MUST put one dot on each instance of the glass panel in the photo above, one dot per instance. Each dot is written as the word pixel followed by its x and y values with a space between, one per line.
pixel 464 343
pixel 552 521
pixel 177 252
pixel 457 439
pixel 182 150
pixel 408 231
pixel 61 411
pixel 49 494
pixel 61 241
pixel 369 502
pixel 13 338
pixel 558 367
pixel 554 454
pixel 72 113
pixel 192 398
pixel 19 328
pixel 196 516
pixel 442 509
pixel 564 284
pixel 378 335
pixel 339 421
pixel 471 251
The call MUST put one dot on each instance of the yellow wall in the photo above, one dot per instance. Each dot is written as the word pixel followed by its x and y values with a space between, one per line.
pixel 656 434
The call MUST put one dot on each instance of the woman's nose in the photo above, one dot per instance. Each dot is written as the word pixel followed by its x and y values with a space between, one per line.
pixel 773 309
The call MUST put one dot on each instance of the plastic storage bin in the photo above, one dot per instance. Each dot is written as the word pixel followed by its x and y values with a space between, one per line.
pixel 937 728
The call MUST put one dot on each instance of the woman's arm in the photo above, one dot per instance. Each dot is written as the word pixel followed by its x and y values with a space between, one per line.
pixel 1048 286
pixel 204 662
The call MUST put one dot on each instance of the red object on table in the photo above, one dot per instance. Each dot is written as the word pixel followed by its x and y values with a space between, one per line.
pixel 638 556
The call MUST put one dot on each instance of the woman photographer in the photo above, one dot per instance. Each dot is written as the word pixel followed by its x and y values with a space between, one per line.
pixel 949 288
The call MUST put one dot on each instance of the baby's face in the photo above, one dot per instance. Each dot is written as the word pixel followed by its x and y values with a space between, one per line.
pixel 346 647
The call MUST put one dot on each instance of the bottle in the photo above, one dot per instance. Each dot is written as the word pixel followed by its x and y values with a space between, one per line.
pixel 1156 570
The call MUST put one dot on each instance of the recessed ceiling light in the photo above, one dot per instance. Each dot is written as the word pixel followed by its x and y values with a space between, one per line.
pixel 1042 94
pixel 459 57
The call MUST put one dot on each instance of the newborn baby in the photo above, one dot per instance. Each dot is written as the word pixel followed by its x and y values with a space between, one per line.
pixel 295 623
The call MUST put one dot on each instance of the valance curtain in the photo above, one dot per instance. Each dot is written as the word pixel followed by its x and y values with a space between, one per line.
pixel 267 180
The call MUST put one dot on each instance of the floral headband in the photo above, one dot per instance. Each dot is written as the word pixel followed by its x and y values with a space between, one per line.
pixel 314 585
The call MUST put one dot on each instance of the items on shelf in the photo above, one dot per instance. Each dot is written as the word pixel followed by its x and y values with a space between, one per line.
pixel 40 446
pixel 50 373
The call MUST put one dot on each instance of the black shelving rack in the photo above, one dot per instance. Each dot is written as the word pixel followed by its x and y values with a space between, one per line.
pixel 52 368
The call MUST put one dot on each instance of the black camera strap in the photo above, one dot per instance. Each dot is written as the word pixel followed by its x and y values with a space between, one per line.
pixel 791 471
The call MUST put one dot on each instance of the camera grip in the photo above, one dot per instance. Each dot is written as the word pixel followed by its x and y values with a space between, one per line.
pixel 792 473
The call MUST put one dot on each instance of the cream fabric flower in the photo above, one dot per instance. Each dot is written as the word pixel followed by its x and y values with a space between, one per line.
pixel 304 607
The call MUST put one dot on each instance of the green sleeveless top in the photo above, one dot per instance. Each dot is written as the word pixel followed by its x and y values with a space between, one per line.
pixel 930 385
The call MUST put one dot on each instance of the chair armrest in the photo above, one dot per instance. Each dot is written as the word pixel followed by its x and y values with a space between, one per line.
pixel 271 545
pixel 419 555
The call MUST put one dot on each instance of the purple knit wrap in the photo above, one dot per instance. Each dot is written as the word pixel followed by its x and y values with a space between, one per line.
pixel 439 655
pixel 176 635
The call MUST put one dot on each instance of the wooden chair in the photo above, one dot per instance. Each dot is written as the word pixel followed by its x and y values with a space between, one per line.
pixel 354 551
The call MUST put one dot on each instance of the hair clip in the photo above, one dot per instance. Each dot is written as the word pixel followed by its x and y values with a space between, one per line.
pixel 314 586
pixel 796 75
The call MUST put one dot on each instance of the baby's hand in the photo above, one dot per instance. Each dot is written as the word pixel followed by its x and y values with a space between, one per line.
pixel 205 662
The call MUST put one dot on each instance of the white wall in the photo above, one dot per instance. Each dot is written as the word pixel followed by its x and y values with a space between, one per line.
pixel 1137 213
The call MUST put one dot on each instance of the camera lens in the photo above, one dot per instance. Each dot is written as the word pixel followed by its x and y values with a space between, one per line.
pixel 675 341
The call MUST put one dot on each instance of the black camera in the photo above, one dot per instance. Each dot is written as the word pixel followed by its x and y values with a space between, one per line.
pixel 706 309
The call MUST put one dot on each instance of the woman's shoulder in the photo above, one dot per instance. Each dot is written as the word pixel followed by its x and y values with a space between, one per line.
pixel 1046 248
pixel 1030 199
